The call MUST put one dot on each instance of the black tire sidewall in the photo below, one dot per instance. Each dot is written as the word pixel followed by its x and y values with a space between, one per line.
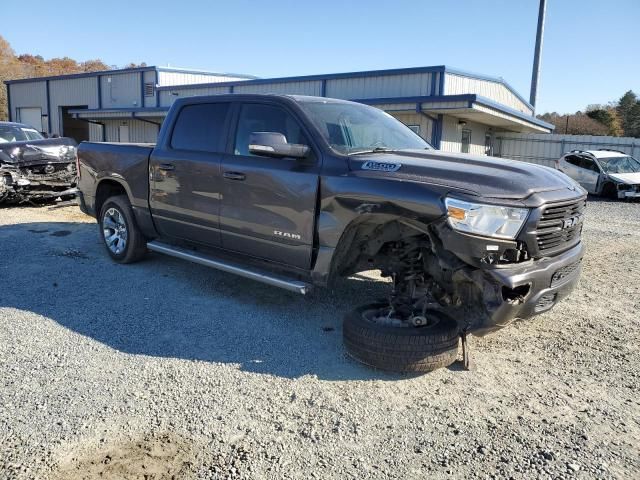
pixel 400 349
pixel 121 204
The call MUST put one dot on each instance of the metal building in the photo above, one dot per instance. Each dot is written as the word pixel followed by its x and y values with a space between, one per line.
pixel 454 110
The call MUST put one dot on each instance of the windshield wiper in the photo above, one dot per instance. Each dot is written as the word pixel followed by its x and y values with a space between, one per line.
pixel 374 150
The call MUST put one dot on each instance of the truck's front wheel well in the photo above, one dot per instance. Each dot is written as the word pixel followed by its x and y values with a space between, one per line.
pixel 361 245
pixel 106 189
pixel 424 273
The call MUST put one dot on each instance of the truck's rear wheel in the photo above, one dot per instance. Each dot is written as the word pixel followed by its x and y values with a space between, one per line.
pixel 119 231
pixel 387 345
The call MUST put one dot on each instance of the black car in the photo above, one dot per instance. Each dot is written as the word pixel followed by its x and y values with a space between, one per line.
pixel 34 168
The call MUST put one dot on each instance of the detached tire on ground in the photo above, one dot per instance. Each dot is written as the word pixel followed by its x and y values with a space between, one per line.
pixel 119 231
pixel 400 349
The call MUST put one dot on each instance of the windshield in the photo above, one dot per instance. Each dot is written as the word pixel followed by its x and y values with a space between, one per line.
pixel 624 164
pixel 351 128
pixel 10 133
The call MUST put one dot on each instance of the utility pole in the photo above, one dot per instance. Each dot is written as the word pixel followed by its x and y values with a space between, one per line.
pixel 535 76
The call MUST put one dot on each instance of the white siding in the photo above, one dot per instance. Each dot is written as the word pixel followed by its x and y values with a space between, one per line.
pixel 120 90
pixel 426 125
pixel 286 88
pixel 495 113
pixel 181 78
pixel 150 77
pixel 445 105
pixel 139 132
pixel 74 92
pixel 31 94
pixel 380 86
pixel 167 97
pixel 496 91
pixel 452 136
pixel 544 149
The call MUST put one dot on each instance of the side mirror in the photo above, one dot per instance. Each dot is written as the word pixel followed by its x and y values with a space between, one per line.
pixel 274 144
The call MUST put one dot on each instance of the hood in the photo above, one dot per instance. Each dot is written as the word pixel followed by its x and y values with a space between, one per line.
pixel 474 174
pixel 628 178
pixel 36 152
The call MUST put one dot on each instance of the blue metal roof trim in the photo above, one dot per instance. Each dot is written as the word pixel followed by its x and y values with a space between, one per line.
pixel 205 72
pixel 124 70
pixel 512 111
pixel 111 110
pixel 81 75
pixel 443 69
pixel 469 97
pixel 308 78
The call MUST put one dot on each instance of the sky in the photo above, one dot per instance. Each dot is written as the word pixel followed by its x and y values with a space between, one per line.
pixel 590 52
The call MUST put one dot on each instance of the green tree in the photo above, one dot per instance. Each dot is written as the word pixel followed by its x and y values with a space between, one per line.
pixel 628 113
pixel 608 116
pixel 633 121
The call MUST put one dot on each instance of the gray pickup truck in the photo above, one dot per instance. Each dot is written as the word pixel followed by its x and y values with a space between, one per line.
pixel 294 191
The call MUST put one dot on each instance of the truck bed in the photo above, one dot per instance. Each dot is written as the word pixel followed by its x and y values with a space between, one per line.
pixel 118 161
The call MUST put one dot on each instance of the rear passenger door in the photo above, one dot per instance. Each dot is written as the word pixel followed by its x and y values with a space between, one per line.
pixel 185 186
pixel 268 204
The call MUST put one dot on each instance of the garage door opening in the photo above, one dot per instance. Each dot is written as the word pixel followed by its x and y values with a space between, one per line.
pixel 73 127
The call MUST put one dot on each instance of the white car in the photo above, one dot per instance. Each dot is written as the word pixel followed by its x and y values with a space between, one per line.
pixel 608 173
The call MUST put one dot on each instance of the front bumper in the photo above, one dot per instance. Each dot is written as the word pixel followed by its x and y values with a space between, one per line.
pixel 628 194
pixel 549 280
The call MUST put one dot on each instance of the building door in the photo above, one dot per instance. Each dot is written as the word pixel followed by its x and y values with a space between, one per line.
pixel 488 144
pixel 123 133
pixel 465 142
pixel 74 127
pixel 31 116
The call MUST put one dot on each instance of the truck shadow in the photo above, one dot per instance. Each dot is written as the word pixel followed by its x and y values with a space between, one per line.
pixel 163 307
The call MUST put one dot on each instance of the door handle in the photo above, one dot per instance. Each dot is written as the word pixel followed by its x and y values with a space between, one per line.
pixel 234 175
pixel 166 167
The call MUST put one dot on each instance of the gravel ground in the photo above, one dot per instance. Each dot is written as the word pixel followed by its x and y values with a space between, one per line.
pixel 165 369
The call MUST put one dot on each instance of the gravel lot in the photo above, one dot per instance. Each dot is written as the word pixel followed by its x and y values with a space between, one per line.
pixel 165 368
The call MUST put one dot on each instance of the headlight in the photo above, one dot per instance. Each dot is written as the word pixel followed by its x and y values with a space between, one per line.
pixel 485 220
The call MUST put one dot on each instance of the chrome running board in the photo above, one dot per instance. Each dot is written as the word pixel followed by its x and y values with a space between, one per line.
pixel 209 261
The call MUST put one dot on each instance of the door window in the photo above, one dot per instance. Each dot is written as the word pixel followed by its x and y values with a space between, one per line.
pixel 200 127
pixel 266 118
pixel 573 160
pixel 466 141
pixel 589 164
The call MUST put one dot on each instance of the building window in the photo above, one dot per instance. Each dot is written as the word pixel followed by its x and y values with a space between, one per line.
pixel 465 141
pixel 415 129
pixel 149 89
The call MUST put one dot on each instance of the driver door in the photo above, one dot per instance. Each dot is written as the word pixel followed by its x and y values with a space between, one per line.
pixel 268 205
pixel 589 174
